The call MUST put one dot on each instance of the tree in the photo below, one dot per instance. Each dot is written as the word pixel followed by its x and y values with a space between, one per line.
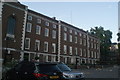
pixel 105 37
pixel 118 39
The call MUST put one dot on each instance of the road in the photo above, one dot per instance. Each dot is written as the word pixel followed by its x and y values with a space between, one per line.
pixel 111 73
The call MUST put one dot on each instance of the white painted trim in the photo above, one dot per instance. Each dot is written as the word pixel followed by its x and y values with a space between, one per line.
pixel 15 7
pixel 30 26
pixel 37 41
pixel 59 40
pixel 28 43
pixel 12 49
pixel 42 18
pixel 46 46
pixel 23 34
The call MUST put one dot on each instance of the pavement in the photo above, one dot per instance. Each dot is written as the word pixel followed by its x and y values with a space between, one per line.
pixel 110 73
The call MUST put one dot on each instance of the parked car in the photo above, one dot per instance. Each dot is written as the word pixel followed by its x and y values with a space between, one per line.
pixel 69 74
pixel 27 70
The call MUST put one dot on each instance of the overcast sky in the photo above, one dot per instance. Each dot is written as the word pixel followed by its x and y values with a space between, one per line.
pixel 81 14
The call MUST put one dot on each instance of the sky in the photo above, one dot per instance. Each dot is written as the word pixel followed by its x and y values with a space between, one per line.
pixel 84 15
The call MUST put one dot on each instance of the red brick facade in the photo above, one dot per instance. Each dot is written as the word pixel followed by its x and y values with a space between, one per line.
pixel 47 38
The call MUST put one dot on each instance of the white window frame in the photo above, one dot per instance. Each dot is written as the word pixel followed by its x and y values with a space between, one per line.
pixel 54 34
pixel 88 53
pixel 75 32
pixel 65 28
pixel 80 34
pixel 84 36
pixel 70 49
pixel 39 20
pixel 97 46
pixel 54 26
pixel 94 46
pixel 65 49
pixel 81 41
pixel 65 58
pixel 88 44
pixel 84 42
pixel 85 53
pixel 39 29
pixel 47 23
pixel 91 45
pixel 98 55
pixel 76 51
pixel 72 60
pixel 46 58
pixel 46 32
pixel 29 17
pixel 95 55
pixel 54 48
pixel 92 54
pixel 28 43
pixel 70 38
pixel 70 30
pixel 81 52
pixel 65 36
pixel 37 41
pixel 29 27
pixel 46 47
pixel 76 39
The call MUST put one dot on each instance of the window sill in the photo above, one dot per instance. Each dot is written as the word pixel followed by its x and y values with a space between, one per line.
pixel 10 36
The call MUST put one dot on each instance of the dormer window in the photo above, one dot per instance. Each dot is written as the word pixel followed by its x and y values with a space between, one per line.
pixel 47 23
pixel 29 17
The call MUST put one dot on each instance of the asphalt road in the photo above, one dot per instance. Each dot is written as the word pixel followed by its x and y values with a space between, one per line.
pixel 111 73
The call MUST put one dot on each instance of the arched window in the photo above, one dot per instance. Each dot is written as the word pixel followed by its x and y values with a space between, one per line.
pixel 11 26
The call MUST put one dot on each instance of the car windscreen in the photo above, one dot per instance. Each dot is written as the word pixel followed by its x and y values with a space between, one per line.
pixel 46 68
pixel 63 67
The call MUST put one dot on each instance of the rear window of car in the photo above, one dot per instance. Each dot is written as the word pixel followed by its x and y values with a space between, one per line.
pixel 47 68
pixel 63 67
pixel 25 66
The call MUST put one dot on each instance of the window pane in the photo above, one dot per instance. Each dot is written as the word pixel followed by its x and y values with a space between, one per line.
pixel 65 36
pixel 53 47
pixel 45 46
pixel 65 49
pixel 54 34
pixel 37 45
pixel 70 38
pixel 46 32
pixel 28 28
pixel 29 17
pixel 70 50
pixel 11 25
pixel 47 23
pixel 54 26
pixel 27 43
pixel 38 29
pixel 38 20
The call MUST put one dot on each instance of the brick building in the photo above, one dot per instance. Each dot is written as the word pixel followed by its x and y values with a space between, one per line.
pixel 27 34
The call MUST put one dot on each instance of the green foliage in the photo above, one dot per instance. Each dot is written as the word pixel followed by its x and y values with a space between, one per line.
pixel 118 34
pixel 118 39
pixel 105 37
